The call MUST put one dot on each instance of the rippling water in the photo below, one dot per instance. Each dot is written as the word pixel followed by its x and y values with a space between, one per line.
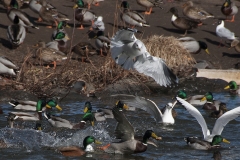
pixel 30 144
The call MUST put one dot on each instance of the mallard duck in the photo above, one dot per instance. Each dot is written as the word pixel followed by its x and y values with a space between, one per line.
pixel 235 43
pixel 194 100
pixel 223 32
pixel 211 104
pixel 149 4
pixel 149 106
pixel 102 42
pixel 215 137
pixel 125 131
pixel 59 42
pixel 98 24
pixel 61 28
pixel 220 112
pixel 83 14
pixel 51 15
pixel 131 53
pixel 195 13
pixel 74 151
pixel 24 105
pixel 84 50
pixel 41 106
pixel 103 113
pixel 229 9
pixel 181 22
pixel 16 33
pixel 192 45
pixel 132 18
pixel 7 66
pixel 23 18
pixel 234 88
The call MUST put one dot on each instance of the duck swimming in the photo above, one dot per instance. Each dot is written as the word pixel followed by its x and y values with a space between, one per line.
pixel 211 104
pixel 233 88
pixel 194 100
pixel 24 105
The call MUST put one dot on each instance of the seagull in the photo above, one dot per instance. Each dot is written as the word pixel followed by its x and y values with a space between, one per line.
pixel 223 32
pixel 131 53
pixel 98 24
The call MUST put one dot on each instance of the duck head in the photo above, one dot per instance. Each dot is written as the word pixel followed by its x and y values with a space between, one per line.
pixel 174 11
pixel 208 96
pixel 38 126
pixel 51 104
pixel 227 3
pixel 203 46
pixel 125 5
pixel 88 116
pixel 148 134
pixel 87 107
pixel 187 4
pixel 222 107
pixel 62 24
pixel 79 4
pixel 13 4
pixel 218 139
pixel 87 143
pixel 60 35
pixel 232 85
pixel 121 106
pixel 182 94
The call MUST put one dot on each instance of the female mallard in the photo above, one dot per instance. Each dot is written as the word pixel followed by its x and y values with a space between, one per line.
pixel 195 13
pixel 24 105
pixel 219 113
pixel 192 45
pixel 234 88
pixel 16 33
pixel 211 104
pixel 59 42
pixel 182 23
pixel 102 42
pixel 125 131
pixel 194 100
pixel 83 14
pixel 235 43
pixel 215 137
pixel 148 4
pixel 84 50
pixel 74 151
pixel 7 66
pixel 132 18
pixel 23 18
pixel 41 106
pixel 229 9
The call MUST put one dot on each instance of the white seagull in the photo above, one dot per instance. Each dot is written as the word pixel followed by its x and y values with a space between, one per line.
pixel 223 32
pixel 131 53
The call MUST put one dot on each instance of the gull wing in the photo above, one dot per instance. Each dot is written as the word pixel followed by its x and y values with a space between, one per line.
pixel 224 119
pixel 226 33
pixel 195 113
pixel 142 103
pixel 124 36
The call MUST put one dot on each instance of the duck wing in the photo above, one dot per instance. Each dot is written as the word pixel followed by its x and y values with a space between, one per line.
pixel 142 103
pixel 124 129
pixel 195 113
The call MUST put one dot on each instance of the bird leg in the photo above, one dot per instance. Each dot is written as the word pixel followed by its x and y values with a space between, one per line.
pixel 232 20
pixel 81 27
pixel 184 33
pixel 39 19
pixel 101 52
pixel 89 5
pixel 148 12
pixel 220 44
pixel 96 4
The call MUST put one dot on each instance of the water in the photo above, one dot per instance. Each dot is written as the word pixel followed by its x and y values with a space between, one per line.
pixel 30 144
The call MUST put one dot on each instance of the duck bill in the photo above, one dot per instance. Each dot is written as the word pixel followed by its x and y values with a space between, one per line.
pixel 227 87
pixel 92 123
pixel 58 107
pixel 68 26
pixel 125 107
pixel 203 99
pixel 155 136
pixel 67 37
pixel 225 141
pixel 49 107
pixel 225 4
pixel 75 6
pixel 97 142
pixel 206 50
pixel 85 110
pixel 117 102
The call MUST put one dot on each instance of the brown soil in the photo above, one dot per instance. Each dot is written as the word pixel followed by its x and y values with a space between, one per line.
pixel 45 80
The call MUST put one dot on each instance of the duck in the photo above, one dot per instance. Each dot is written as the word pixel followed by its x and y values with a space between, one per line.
pixel 132 18
pixel 181 22
pixel 7 67
pixel 82 14
pixel 195 13
pixel 24 105
pixel 98 24
pixel 13 11
pixel 49 55
pixel 103 113
pixel 235 43
pixel 42 106
pixel 233 88
pixel 61 28
pixel 148 4
pixel 223 32
pixel 211 104
pixel 130 53
pixel 59 42
pixel 75 151
pixel 211 140
pixel 220 112
pixel 102 42
pixel 165 117
pixel 51 15
pixel 193 100
pixel 84 50
pixel 229 9
pixel 16 33
pixel 128 143
pixel 63 123
pixel 7 3
pixel 192 45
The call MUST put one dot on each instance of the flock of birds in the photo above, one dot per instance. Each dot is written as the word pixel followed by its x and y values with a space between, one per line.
pixel 130 53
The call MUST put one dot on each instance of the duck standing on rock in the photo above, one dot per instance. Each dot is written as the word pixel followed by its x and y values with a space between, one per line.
pixel 229 9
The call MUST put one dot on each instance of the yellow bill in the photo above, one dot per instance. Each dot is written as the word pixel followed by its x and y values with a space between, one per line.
pixel 75 6
pixel 203 99
pixel 225 141
pixel 85 110
pixel 206 50
pixel 97 142
pixel 227 87
pixel 58 107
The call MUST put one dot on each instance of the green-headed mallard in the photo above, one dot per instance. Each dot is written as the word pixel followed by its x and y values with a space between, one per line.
pixel 181 22
pixel 125 131
pixel 82 14
pixel 195 13
pixel 215 137
pixel 51 15
pixel 74 151
pixel 132 18
pixel 16 33
pixel 211 104
pixel 194 100
pixel 216 114
pixel 229 9
pixel 41 106
pixel 59 42
pixel 24 105
pixel 23 18
pixel 149 4
pixel 61 28
pixel 102 42
pixel 234 88
pixel 7 66
pixel 192 45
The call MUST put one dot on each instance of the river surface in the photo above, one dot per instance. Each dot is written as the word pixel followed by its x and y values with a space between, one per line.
pixel 30 144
